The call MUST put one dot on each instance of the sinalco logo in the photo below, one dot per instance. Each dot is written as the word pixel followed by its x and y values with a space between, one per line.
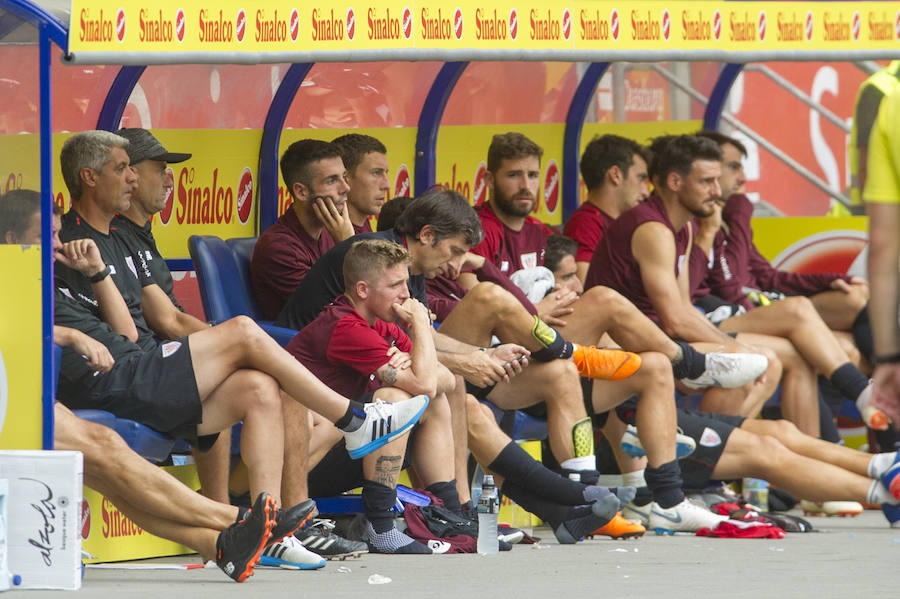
pixel 762 26
pixel 179 25
pixel 402 186
pixel 857 25
pixel 295 25
pixel 717 24
pixel 551 186
pixel 120 25
pixel 666 24
pixel 513 23
pixel 85 519
pixel 240 25
pixel 245 195
pixel 458 23
pixel 614 24
pixel 166 213
pixel 809 26
pixel 479 185
pixel 407 22
pixel 351 23
pixel 567 23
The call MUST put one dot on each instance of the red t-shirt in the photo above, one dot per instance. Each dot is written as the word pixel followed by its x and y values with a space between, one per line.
pixel 343 351
pixel 366 227
pixel 283 255
pixel 511 250
pixel 587 225
pixel 613 264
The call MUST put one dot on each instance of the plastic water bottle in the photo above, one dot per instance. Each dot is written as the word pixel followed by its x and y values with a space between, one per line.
pixel 488 507
pixel 756 492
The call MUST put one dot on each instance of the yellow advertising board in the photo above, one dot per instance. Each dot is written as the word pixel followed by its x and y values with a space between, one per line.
pixel 110 536
pixel 20 348
pixel 271 30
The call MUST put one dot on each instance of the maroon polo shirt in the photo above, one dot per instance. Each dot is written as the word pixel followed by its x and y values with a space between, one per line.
pixel 511 250
pixel 344 351
pixel 366 227
pixel 738 264
pixel 283 255
pixel 587 226
pixel 613 264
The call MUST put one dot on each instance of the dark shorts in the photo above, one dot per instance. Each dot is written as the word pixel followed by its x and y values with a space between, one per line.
pixel 710 432
pixel 587 390
pixel 480 393
pixel 157 389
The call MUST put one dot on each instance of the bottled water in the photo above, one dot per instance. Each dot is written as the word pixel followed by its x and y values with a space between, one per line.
pixel 488 508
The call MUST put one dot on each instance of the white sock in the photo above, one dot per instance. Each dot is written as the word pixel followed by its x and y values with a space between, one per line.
pixel 634 479
pixel 587 462
pixel 880 462
pixel 878 494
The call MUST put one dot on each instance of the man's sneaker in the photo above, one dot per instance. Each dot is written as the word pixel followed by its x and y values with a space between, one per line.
pixel 687 516
pixel 874 418
pixel 287 521
pixel 238 547
pixel 290 554
pixel 384 422
pixel 620 528
pixel 607 364
pixel 317 537
pixel 892 513
pixel 831 508
pixel 891 477
pixel 729 370
pixel 510 535
pixel 639 514
pixel 631 444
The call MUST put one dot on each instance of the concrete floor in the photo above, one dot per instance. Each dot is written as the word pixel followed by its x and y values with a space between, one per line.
pixel 847 557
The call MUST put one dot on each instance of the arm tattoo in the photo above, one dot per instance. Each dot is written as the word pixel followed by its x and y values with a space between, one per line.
pixel 387 469
pixel 388 375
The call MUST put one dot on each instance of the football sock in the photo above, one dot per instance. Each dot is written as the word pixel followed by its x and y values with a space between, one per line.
pixel 378 505
pixel 446 492
pixel 878 494
pixel 394 541
pixel 554 347
pixel 665 484
pixel 849 380
pixel 353 418
pixel 880 462
pixel 690 364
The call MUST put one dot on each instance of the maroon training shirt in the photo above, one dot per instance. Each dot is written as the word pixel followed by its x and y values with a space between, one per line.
pixel 587 225
pixel 613 264
pixel 283 255
pixel 511 250
pixel 343 351
pixel 738 264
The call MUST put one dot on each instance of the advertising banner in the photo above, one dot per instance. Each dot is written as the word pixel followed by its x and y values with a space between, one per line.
pixel 271 30
pixel 20 348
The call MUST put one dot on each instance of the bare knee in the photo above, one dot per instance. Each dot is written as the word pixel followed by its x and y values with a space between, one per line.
pixel 799 308
pixel 656 368
pixel 768 455
pixel 261 391
pixel 606 299
pixel 493 298
pixel 478 415
pixel 244 331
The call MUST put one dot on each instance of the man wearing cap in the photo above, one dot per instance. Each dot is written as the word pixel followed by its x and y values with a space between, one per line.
pixel 148 160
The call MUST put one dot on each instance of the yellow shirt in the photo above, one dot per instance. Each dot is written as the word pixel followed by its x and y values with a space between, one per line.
pixel 883 169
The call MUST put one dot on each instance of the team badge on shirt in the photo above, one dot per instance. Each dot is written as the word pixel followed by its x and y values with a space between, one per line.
pixel 710 438
pixel 170 348
pixel 529 260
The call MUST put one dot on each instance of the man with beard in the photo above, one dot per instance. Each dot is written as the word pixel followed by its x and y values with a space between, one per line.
pixel 515 242
pixel 318 218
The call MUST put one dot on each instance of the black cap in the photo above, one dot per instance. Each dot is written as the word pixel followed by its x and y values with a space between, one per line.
pixel 143 146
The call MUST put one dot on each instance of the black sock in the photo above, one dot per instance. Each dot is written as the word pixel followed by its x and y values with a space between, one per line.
pixel 827 428
pixel 515 465
pixel 378 504
pixel 643 496
pixel 849 380
pixel 446 492
pixel 555 347
pixel 862 335
pixel 353 418
pixel 692 363
pixel 665 484
pixel 545 509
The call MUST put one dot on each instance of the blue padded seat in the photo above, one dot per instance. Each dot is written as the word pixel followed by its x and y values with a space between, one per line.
pixel 143 440
pixel 223 275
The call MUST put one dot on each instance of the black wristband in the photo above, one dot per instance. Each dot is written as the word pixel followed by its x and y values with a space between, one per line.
pixel 888 359
pixel 100 275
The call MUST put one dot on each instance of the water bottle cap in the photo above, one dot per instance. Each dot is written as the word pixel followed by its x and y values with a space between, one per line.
pixel 16 580
pixel 488 480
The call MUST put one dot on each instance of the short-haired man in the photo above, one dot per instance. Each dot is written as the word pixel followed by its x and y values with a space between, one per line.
pixel 196 386
pixel 514 241
pixel 560 260
pixel 153 499
pixel 645 254
pixel 772 450
pixel 317 218
pixel 365 159
pixel 614 170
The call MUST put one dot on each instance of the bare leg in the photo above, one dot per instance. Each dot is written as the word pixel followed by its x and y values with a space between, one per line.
pixel 486 440
pixel 839 309
pixel 239 343
pixel 252 397
pixel 112 468
pixel 458 408
pixel 655 419
pixel 432 444
pixel 213 468
pixel 811 447
pixel 766 457
pixel 555 383
pixel 384 464
pixel 323 436
pixel 294 488
pixel 795 319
